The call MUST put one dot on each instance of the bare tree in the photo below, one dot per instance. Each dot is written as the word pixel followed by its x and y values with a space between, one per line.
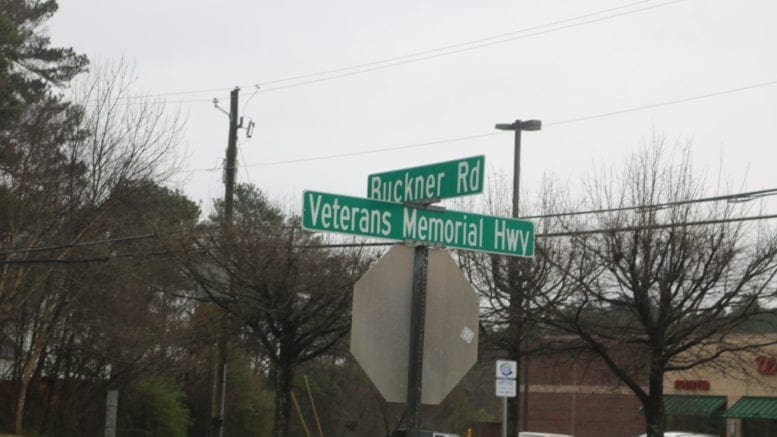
pixel 508 285
pixel 129 137
pixel 656 290
pixel 59 179
pixel 294 301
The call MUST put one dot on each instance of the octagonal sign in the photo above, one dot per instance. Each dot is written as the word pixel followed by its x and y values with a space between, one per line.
pixel 380 330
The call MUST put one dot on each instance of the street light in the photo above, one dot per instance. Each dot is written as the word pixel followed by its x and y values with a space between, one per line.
pixel 523 125
pixel 517 126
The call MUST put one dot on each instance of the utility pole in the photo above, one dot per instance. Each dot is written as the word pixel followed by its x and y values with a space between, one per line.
pixel 230 171
pixel 517 298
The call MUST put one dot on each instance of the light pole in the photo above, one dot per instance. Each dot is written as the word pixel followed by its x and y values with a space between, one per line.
pixel 518 126
pixel 516 296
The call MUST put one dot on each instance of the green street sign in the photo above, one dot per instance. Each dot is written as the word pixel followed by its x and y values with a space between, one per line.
pixel 395 221
pixel 442 180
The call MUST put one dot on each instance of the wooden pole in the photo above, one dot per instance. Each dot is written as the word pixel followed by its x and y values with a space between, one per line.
pixel 299 413
pixel 313 405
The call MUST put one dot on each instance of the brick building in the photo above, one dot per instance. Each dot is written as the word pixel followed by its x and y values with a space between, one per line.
pixel 580 396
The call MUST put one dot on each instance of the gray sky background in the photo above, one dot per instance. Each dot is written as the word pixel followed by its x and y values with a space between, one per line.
pixel 673 50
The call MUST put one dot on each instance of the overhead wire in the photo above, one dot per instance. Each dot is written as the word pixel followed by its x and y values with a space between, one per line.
pixel 83 260
pixel 664 103
pixel 451 46
pixel 122 239
pixel 80 244
pixel 573 233
pixel 656 226
pixel 414 56
pixel 490 134
pixel 373 151
pixel 240 150
pixel 383 244
pixel 469 48
pixel 65 104
pixel 743 196
pixel 748 195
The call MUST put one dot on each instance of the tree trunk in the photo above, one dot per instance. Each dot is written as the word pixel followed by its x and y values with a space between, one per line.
pixel 284 376
pixel 655 416
pixel 37 351
pixel 21 400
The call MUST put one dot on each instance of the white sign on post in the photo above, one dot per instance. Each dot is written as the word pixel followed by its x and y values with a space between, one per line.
pixel 506 373
pixel 505 388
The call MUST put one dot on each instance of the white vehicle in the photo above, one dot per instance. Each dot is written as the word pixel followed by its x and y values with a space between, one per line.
pixel 541 434
pixel 682 434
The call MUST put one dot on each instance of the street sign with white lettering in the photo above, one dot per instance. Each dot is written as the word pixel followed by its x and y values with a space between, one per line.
pixel 394 221
pixel 442 180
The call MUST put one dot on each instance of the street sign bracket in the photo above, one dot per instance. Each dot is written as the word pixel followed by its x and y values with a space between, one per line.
pixel 416 243
pixel 425 204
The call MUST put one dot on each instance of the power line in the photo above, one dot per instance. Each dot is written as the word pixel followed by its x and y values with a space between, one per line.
pixel 573 233
pixel 484 135
pixel 123 239
pixel 240 150
pixel 744 195
pixel 418 56
pixel 69 104
pixel 84 260
pixel 80 244
pixel 450 46
pixel 656 226
pixel 464 49
pixel 665 103
pixel 415 55
pixel 372 151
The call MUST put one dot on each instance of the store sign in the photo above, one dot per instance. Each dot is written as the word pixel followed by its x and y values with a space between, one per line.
pixel 685 384
pixel 766 365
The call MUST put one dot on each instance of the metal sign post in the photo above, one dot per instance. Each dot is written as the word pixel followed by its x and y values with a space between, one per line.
pixel 400 208
pixel 416 362
pixel 506 373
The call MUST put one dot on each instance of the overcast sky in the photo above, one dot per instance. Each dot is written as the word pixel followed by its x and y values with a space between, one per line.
pixel 647 53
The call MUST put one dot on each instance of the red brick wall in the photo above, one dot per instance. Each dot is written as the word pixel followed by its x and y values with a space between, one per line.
pixel 577 394
pixel 580 369
pixel 586 415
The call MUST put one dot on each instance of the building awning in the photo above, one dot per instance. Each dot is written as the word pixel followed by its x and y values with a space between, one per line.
pixel 754 408
pixel 707 406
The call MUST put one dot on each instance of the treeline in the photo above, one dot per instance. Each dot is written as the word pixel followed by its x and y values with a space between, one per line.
pixel 110 280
